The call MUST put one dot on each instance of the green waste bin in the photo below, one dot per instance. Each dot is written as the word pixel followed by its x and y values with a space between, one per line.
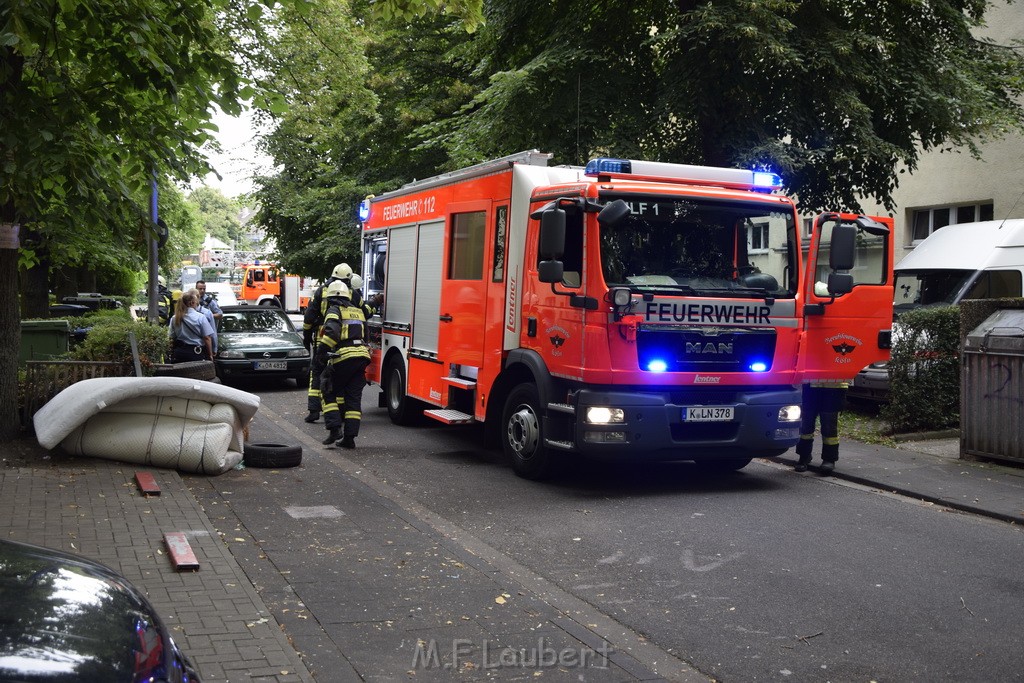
pixel 43 339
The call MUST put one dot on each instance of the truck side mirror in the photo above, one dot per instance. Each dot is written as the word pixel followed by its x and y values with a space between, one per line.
pixel 550 271
pixel 843 249
pixel 840 283
pixel 552 234
pixel 613 213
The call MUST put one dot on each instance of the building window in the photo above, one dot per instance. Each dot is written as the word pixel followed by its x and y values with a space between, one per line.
pixel 926 221
pixel 757 238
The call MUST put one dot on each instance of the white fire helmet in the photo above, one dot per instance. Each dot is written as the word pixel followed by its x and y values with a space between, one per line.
pixel 161 281
pixel 337 289
pixel 357 282
pixel 342 271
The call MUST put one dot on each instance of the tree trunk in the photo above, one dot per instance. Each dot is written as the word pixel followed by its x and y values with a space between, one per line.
pixel 35 292
pixel 65 282
pixel 10 335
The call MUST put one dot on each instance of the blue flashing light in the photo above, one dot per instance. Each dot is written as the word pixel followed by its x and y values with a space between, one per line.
pixel 767 181
pixel 657 365
pixel 364 210
pixel 607 165
pixel 758 366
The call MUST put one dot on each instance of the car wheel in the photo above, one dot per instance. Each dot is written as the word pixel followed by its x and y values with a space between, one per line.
pixel 272 455
pixel 522 436
pixel 401 409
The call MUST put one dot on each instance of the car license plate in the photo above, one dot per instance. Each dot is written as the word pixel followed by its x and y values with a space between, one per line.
pixel 708 413
pixel 271 365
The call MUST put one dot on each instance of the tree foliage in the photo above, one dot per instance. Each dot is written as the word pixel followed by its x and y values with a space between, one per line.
pixel 359 88
pixel 839 98
pixel 96 100
pixel 218 215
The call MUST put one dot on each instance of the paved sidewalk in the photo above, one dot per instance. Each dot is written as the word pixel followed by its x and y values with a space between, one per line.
pixel 931 471
pixel 93 507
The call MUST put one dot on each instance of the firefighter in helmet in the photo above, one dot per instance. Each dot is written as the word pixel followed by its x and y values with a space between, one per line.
pixel 164 301
pixel 312 319
pixel 342 350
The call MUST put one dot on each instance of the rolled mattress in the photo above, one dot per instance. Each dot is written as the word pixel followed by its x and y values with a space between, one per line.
pixel 186 424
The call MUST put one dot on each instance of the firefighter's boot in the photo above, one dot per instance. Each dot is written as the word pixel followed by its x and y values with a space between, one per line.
pixel 348 442
pixel 332 436
pixel 803 451
pixel 313 416
pixel 829 454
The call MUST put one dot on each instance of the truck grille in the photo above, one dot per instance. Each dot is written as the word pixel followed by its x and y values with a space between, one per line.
pixel 706 350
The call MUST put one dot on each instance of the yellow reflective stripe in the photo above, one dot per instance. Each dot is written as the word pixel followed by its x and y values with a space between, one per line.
pixel 353 415
pixel 807 437
pixel 330 408
pixel 831 440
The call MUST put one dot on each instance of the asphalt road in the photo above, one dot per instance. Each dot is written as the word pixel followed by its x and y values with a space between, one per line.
pixel 760 575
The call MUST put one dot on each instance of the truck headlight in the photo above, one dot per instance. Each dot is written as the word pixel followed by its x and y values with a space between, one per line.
pixel 601 415
pixel 789 414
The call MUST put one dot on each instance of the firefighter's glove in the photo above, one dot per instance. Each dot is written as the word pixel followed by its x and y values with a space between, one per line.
pixel 327 381
pixel 307 339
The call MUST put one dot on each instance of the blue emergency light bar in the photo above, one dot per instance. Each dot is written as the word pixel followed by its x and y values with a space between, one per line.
pixel 364 210
pixel 761 181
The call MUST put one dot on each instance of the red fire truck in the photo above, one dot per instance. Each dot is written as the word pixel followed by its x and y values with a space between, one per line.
pixel 627 310
pixel 263 284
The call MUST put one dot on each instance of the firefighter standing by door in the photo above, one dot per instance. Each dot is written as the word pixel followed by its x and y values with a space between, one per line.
pixel 821 400
pixel 344 354
pixel 312 320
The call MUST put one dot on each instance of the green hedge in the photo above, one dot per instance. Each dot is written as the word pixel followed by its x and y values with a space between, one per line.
pixel 924 373
pixel 108 340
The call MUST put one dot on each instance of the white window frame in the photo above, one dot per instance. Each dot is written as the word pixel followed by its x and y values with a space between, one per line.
pixel 765 231
pixel 952 211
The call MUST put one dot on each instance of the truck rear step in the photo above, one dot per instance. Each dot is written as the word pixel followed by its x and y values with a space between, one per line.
pixel 449 416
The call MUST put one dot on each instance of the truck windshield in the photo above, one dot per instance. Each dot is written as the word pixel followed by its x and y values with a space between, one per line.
pixel 701 246
pixel 919 288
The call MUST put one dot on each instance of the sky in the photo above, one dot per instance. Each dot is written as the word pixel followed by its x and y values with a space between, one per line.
pixel 239 159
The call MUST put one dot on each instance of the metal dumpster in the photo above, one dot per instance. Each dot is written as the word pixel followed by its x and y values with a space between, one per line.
pixel 992 388
pixel 43 339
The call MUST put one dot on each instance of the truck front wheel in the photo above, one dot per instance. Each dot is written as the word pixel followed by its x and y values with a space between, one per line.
pixel 401 408
pixel 522 436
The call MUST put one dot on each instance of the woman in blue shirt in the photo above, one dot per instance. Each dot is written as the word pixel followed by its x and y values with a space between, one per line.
pixel 191 331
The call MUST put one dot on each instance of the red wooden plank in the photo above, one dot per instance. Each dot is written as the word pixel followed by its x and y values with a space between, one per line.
pixel 181 552
pixel 147 484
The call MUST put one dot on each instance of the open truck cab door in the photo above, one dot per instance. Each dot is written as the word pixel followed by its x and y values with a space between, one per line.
pixel 847 295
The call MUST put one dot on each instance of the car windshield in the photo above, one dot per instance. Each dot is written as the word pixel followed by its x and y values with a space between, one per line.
pixel 923 288
pixel 699 246
pixel 261 319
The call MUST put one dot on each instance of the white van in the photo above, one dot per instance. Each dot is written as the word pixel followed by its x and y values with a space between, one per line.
pixel 963 261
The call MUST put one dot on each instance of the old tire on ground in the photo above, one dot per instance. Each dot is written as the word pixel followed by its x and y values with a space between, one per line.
pixel 522 436
pixel 196 369
pixel 272 455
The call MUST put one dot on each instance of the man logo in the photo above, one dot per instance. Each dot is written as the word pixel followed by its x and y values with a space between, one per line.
pixel 708 348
